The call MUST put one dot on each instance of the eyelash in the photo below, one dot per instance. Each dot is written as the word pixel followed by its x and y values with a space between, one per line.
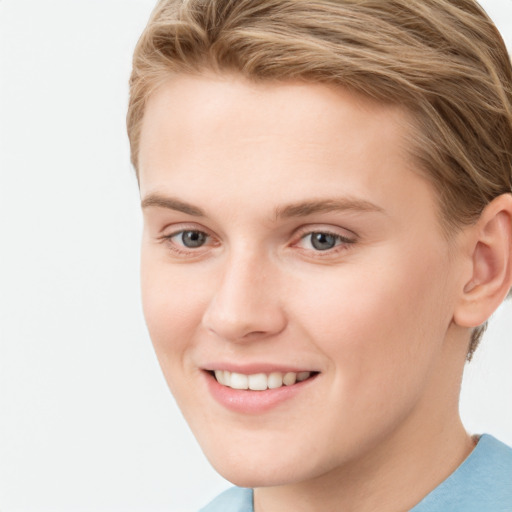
pixel 181 249
pixel 342 243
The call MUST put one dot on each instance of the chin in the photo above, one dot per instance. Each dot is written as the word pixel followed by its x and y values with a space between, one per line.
pixel 246 473
pixel 263 461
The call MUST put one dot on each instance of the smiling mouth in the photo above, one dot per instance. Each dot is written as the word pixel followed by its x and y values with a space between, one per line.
pixel 260 381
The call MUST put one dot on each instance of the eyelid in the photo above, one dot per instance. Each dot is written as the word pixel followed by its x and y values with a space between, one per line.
pixel 343 244
pixel 170 231
pixel 342 233
pixel 345 238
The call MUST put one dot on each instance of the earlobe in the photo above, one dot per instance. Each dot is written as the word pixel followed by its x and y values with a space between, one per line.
pixel 491 264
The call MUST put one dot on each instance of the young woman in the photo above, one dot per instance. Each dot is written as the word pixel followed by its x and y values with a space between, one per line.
pixel 326 188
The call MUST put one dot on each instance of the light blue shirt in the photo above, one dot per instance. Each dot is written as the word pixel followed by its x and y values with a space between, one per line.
pixel 482 483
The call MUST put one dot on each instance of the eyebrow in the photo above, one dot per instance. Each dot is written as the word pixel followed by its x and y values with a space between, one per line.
pixel 303 209
pixel 171 203
pixel 299 209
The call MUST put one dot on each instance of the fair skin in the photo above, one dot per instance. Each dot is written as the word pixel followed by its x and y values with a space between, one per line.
pixel 286 231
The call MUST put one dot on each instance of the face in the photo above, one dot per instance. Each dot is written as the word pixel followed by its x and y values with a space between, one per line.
pixel 290 247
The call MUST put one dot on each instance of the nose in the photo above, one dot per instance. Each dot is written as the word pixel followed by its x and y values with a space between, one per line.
pixel 246 304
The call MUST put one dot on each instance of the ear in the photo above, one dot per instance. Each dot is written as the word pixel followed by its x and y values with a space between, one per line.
pixel 490 269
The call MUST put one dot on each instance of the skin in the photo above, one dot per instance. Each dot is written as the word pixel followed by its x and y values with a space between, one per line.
pixel 378 428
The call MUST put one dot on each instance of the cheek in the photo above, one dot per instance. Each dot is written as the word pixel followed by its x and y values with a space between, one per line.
pixel 377 320
pixel 381 332
pixel 173 309
pixel 172 304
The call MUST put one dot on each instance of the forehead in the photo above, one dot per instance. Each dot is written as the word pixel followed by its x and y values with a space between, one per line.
pixel 249 138
pixel 190 109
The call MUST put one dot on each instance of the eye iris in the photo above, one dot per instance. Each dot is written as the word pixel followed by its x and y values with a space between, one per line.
pixel 323 241
pixel 193 238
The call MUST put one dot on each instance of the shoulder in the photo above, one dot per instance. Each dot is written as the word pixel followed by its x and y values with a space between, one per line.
pixel 236 499
pixel 482 482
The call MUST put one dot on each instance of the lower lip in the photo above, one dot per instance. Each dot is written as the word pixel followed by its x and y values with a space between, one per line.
pixel 247 401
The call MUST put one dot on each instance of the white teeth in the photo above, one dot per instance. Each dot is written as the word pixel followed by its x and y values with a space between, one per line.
pixel 239 381
pixel 275 380
pixel 289 378
pixel 303 376
pixel 219 375
pixel 259 381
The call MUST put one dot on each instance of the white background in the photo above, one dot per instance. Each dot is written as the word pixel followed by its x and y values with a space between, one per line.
pixel 86 421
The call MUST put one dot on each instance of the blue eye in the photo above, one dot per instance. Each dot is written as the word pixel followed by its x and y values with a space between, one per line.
pixel 323 241
pixel 192 239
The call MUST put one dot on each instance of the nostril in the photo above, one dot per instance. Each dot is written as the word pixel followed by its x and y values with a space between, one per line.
pixel 254 334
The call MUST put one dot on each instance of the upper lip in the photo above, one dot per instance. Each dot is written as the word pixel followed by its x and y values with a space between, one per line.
pixel 253 368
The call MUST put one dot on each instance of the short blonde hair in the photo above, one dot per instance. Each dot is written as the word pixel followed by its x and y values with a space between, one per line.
pixel 442 60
